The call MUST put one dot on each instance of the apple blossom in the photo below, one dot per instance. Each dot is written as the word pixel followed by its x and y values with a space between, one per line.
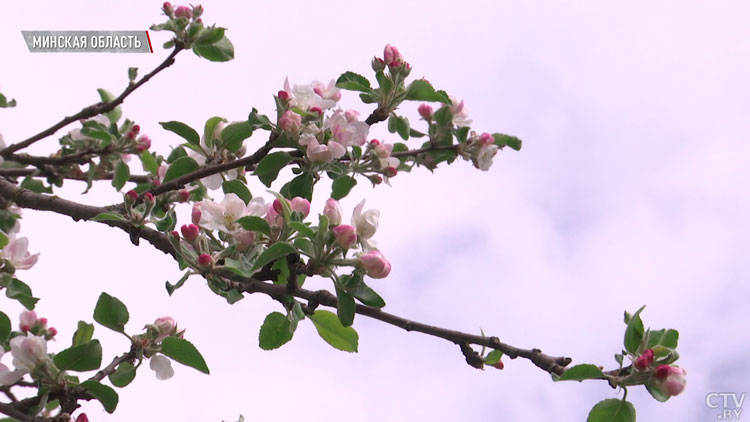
pixel 346 235
pixel 274 218
pixel 333 211
pixel 131 195
pixel 223 216
pixel 8 377
pixel 195 214
pixel 345 131
pixel 166 326
pixel 184 195
pixel 670 380
pixel 300 205
pixel 28 320
pixel 484 155
pixel 143 143
pixel 327 92
pixel 460 115
pixel 375 264
pixel 28 351
pixel 162 366
pixel 290 122
pixel 366 222
pixel 17 254
pixel 305 97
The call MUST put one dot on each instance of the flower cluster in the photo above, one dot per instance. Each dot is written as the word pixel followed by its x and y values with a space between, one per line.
pixel 668 379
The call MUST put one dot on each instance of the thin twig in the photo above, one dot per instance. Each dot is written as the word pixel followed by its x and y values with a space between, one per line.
pixel 10 172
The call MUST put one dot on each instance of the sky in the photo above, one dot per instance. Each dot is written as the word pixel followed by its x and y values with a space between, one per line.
pixel 630 189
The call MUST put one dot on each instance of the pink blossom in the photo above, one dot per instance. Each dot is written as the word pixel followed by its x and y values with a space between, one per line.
pixel 375 264
pixel 391 55
pixel 346 235
pixel 28 351
pixel 670 380
pixel 460 115
pixel 143 143
pixel 8 377
pixel 290 122
pixel 166 326
pixel 345 131
pixel 333 211
pixel 17 254
pixel 324 153
pixel 486 139
pixel 195 214
pixel 315 95
pixel 484 155
pixel 28 320
pixel 300 205
pixel 274 218
pixel 327 92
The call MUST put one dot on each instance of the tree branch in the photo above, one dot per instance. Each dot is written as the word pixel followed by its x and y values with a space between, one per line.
pixel 94 109
pixel 10 172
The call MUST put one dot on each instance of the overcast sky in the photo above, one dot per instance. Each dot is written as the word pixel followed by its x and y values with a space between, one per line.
pixel 630 189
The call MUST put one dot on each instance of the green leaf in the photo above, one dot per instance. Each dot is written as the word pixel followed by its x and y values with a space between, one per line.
pixel 84 357
pixel 302 228
pixel 275 331
pixel 4 103
pixel 111 313
pixel 612 410
pixel 184 352
pixel 108 216
pixel 35 185
pixel 106 395
pixel 107 97
pixel 269 167
pixel 493 357
pixel 5 327
pixel 443 116
pixel 238 188
pixel 181 167
pixel 656 394
pixel 581 372
pixel 353 82
pixel 210 35
pixel 185 131
pixel 386 84
pixel 346 308
pixel 302 186
pixel 121 176
pixel 220 51
pixel 172 287
pixel 259 121
pixel 124 375
pixel 234 134
pixel 342 186
pixel 3 240
pixel 272 253
pixel 402 127
pixel 357 287
pixel 20 291
pixel 507 140
pixel 330 329
pixel 666 338
pixel 421 90
pixel 634 331
pixel 132 74
pixel 83 334
pixel 255 224
pixel 174 155
pixel 149 162
pixel 168 223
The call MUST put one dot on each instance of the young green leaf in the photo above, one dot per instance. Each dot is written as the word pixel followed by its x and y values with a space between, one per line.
pixel 255 224
pixel 185 131
pixel 84 357
pixel 184 352
pixel 353 82
pixel 107 396
pixel 123 376
pixel 220 51
pixel 181 167
pixel 83 334
pixel 634 331
pixel 106 97
pixel 108 216
pixel 121 176
pixel 493 357
pixel 20 291
pixel 342 186
pixel 666 338
pixel 111 313
pixel 5 327
pixel 272 253
pixel 275 331
pixel 581 372
pixel 357 287
pixel 238 188
pixel 346 307
pixel 36 186
pixel 502 140
pixel 333 332
pixel 612 410
pixel 269 167
pixel 421 90
pixel 234 134
pixel 302 186
pixel 149 162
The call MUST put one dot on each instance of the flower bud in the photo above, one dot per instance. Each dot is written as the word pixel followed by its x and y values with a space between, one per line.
pixel 670 380
pixel 190 232
pixel 316 110
pixel 644 360
pixel 166 326
pixel 175 234
pixel 183 12
pixel 273 217
pixel 486 139
pixel 374 143
pixel 375 264
pixel 391 54
pixel 283 95
pixel 197 11
pixel 51 332
pixel 301 205
pixel 82 417
pixel 167 8
pixel 148 197
pixel 333 211
pixel 290 122
pixel 425 111
pixel 366 222
pixel 205 260
pixel 184 195
pixel 143 143
pixel 28 320
pixel 278 206
pixel 391 171
pixel 346 235
pixel 195 214
pixel 377 64
pixel 351 115
pixel 131 196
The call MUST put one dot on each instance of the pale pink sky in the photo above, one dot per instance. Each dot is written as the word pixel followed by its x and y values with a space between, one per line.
pixel 631 189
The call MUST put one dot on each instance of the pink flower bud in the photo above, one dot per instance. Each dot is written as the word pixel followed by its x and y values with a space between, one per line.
pixel 283 95
pixel 425 111
pixel 375 179
pixel 391 54
pixel 290 122
pixel 346 235
pixel 175 234
pixel 190 232
pixel 333 211
pixel 183 12
pixel 136 129
pixel 301 205
pixel 131 195
pixel 166 326
pixel 644 360
pixel 184 195
pixel 167 6
pixel 277 206
pixel 377 64
pixel 148 197
pixel 42 322
pixel 486 139
pixel 391 171
pixel 195 214
pixel 670 380
pixel 197 10
pixel 273 217
pixel 351 115
pixel 28 320
pixel 499 365
pixel 375 264
pixel 205 260
pixel 143 143
pixel 51 332
pixel 374 143
pixel 82 417
pixel 316 110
